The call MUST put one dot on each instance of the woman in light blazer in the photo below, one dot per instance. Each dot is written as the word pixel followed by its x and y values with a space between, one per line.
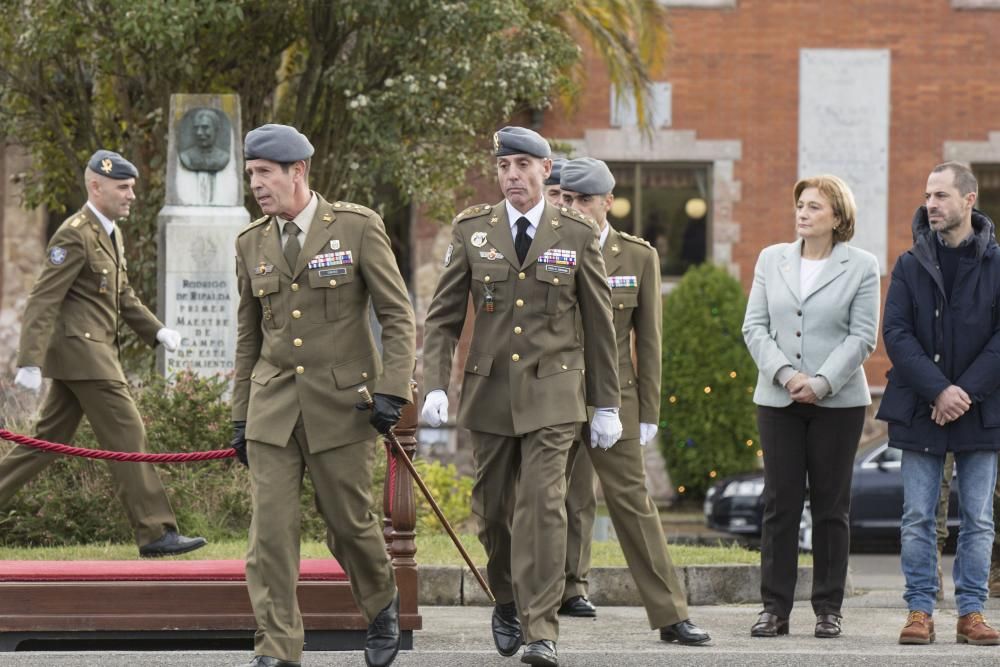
pixel 811 321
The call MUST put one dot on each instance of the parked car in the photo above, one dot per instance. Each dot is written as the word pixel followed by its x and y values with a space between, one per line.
pixel 735 505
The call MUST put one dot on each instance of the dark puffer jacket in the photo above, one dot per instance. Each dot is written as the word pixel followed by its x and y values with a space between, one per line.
pixel 935 340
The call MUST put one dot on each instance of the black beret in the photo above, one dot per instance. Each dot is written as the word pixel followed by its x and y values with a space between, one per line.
pixel 557 165
pixel 277 143
pixel 112 165
pixel 513 140
pixel 587 176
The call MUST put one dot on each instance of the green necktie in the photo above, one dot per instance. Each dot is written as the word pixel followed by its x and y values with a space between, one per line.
pixel 292 246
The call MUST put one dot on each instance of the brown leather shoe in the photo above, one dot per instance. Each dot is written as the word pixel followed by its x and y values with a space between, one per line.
pixel 973 629
pixel 919 629
pixel 827 626
pixel 769 625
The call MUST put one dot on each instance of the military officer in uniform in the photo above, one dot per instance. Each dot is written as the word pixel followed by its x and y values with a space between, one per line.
pixel 531 270
pixel 307 272
pixel 72 333
pixel 581 501
pixel 634 277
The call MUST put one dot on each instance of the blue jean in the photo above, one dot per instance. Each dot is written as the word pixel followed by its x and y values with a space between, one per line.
pixel 977 472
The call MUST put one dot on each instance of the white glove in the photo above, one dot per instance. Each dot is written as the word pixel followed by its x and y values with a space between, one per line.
pixel 606 428
pixel 169 338
pixel 29 377
pixel 646 433
pixel 435 410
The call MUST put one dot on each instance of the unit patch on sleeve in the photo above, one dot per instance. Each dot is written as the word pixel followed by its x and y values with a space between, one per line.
pixel 57 255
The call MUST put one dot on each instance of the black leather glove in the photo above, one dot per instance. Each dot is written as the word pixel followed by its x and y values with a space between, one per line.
pixel 386 412
pixel 239 441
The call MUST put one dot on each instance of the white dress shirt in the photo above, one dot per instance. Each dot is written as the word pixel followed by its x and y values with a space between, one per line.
pixel 534 216
pixel 106 222
pixel 303 220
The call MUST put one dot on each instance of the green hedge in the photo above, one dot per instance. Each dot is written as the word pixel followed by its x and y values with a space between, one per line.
pixel 708 379
pixel 72 501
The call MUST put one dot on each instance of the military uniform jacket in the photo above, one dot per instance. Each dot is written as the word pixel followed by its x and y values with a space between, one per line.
pixel 634 277
pixel 304 338
pixel 525 368
pixel 72 322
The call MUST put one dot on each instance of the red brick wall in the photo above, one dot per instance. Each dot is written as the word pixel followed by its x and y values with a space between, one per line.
pixel 734 75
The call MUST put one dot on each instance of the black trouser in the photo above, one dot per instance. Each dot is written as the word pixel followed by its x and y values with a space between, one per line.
pixel 798 441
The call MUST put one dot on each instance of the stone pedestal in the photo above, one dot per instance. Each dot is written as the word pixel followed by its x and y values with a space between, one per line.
pixel 196 277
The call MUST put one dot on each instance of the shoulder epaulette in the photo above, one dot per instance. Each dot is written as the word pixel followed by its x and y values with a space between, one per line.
pixel 77 220
pixel 472 212
pixel 635 239
pixel 339 206
pixel 256 223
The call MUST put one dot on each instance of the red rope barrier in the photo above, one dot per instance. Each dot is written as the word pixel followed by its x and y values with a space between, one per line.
pixel 134 457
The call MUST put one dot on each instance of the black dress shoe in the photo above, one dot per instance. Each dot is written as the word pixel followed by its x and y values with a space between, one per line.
pixel 542 652
pixel 268 661
pixel 769 625
pixel 382 642
pixel 171 544
pixel 578 607
pixel 686 633
pixel 827 626
pixel 506 629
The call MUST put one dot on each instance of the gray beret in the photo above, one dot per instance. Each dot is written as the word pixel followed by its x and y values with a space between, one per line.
pixel 112 165
pixel 587 176
pixel 519 141
pixel 277 143
pixel 557 166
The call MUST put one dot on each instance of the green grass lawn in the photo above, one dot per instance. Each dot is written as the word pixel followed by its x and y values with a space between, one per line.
pixel 431 549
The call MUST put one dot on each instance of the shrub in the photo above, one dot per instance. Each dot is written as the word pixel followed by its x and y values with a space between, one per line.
pixel 453 493
pixel 708 379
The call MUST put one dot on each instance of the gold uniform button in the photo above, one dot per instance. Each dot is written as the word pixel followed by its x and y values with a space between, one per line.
pixel 260 292
pixel 521 276
pixel 519 303
pixel 475 368
pixel 297 342
pixel 517 331
pixel 364 374
pixel 486 279
pixel 565 367
pixel 333 283
pixel 555 281
pixel 621 306
pixel 86 335
pixel 630 382
pixel 300 369
pixel 515 357
pixel 295 287
pixel 104 271
pixel 253 375
pixel 296 314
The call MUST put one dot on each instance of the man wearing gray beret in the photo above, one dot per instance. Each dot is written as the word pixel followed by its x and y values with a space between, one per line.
pixel 553 194
pixel 634 277
pixel 532 270
pixel 70 333
pixel 306 273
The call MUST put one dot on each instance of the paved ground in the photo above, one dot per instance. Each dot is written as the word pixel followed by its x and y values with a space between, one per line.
pixel 459 636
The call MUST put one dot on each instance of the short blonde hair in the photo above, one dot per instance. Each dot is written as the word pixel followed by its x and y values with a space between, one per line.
pixel 841 200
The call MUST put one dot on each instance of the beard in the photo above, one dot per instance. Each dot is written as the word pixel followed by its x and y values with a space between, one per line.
pixel 946 222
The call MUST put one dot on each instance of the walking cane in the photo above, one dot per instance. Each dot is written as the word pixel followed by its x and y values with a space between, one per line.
pixel 391 437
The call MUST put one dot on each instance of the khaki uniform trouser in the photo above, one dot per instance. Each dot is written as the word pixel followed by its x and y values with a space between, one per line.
pixel 622 473
pixel 520 498
pixel 581 508
pixel 342 478
pixel 112 414
pixel 941 523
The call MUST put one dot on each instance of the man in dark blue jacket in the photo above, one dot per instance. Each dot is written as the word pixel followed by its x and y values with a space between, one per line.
pixel 941 332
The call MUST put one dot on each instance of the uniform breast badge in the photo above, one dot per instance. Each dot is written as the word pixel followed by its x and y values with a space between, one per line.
pixel 331 259
pixel 478 239
pixel 489 301
pixel 264 269
pixel 622 281
pixel 492 254
pixel 557 260
pixel 335 244
pixel 103 287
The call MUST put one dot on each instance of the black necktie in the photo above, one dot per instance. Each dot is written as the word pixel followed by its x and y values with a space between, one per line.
pixel 522 241
pixel 113 244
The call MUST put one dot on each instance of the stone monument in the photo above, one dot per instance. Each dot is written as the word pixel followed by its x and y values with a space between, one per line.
pixel 202 214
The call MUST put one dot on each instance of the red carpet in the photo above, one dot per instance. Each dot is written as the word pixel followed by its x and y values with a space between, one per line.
pixel 152 570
